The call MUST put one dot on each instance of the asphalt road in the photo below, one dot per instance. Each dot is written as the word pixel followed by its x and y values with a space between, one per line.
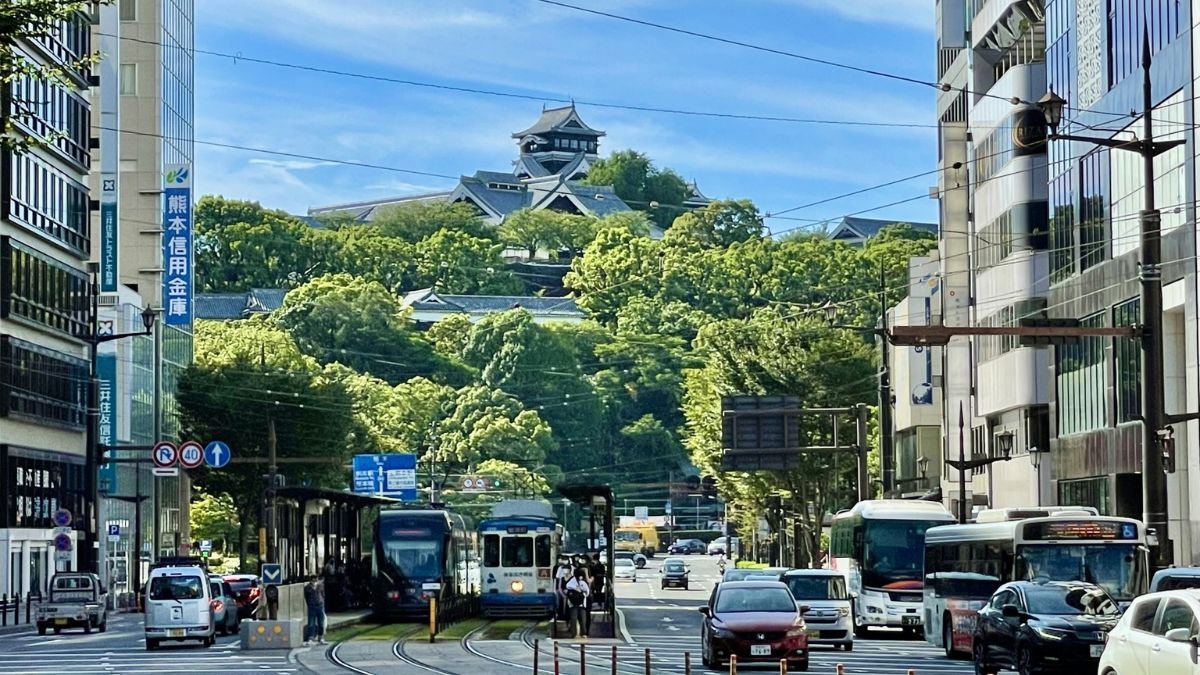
pixel 666 622
pixel 121 649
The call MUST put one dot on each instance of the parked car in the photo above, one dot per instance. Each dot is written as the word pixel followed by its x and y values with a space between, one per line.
pixel 718 546
pixel 687 546
pixel 639 560
pixel 674 574
pixel 1033 627
pixel 1175 578
pixel 76 600
pixel 824 594
pixel 246 590
pixel 624 569
pixel 224 605
pixel 756 621
pixel 179 606
pixel 1156 635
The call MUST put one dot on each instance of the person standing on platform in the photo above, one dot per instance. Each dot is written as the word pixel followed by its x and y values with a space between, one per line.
pixel 314 599
pixel 578 589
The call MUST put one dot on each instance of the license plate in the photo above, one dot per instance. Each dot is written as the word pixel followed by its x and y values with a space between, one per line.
pixel 60 622
pixel 760 650
pixel 910 620
pixel 814 633
pixel 175 632
pixel 1096 651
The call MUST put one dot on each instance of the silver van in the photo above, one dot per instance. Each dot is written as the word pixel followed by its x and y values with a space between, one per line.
pixel 178 606
pixel 1175 578
pixel 824 602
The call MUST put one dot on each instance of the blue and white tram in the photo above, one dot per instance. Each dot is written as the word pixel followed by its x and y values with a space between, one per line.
pixel 520 541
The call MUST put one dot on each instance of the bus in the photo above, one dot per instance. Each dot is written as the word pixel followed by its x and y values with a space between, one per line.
pixel 422 554
pixel 965 564
pixel 639 538
pixel 521 541
pixel 878 545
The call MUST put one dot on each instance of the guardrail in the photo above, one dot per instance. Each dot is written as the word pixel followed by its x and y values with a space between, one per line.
pixel 13 606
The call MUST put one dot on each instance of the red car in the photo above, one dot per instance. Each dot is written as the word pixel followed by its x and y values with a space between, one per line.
pixel 756 621
pixel 246 589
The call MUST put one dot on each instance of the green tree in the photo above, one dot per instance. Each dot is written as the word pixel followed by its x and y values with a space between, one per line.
pixel 551 231
pixel 615 268
pixel 214 517
pixel 456 262
pixel 363 251
pixel 414 222
pixel 450 335
pixel 486 423
pixel 29 21
pixel 636 181
pixel 344 319
pixel 719 224
pixel 889 251
pixel 240 245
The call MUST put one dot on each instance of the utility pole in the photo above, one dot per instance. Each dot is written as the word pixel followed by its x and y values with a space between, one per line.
pixel 272 485
pixel 864 478
pixel 886 450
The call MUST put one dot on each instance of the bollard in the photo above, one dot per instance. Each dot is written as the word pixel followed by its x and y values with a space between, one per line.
pixel 536 650
pixel 432 618
pixel 556 657
pixel 582 659
pixel 782 666
pixel 841 670
pixel 17 608
pixel 647 662
pixel 614 660
pixel 733 664
pixel 4 610
pixel 687 663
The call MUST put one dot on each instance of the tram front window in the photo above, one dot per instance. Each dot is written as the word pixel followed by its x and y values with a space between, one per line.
pixel 415 559
pixel 517 552
pixel 543 550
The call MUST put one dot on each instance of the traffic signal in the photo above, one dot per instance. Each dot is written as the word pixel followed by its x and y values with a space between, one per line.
pixel 1166 443
pixel 709 486
pixel 1042 322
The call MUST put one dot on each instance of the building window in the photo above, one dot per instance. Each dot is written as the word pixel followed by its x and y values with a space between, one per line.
pixel 129 10
pixel 993 346
pixel 1127 354
pixel 1086 492
pixel 1021 227
pixel 54 113
pixel 41 385
pixel 1126 21
pixel 1062 228
pixel 1093 208
pixel 128 78
pixel 1082 387
pixel 39 484
pixel 40 289
pixel 46 200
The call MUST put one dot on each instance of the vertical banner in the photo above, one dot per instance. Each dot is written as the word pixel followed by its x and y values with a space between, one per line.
pixel 177 245
pixel 923 283
pixel 109 110
pixel 108 233
pixel 106 377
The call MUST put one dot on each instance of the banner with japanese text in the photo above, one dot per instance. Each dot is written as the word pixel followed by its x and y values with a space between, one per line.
pixel 106 378
pixel 177 245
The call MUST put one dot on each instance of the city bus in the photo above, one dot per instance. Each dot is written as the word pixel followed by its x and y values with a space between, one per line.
pixel 879 546
pixel 965 564
pixel 521 543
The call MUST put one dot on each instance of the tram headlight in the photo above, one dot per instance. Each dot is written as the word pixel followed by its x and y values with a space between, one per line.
pixel 517 586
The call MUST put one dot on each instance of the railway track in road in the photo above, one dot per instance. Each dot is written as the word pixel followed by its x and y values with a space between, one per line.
pixel 401 650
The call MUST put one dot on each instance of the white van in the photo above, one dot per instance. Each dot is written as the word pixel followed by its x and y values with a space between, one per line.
pixel 822 598
pixel 178 606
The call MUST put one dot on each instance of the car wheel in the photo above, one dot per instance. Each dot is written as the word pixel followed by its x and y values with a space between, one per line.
pixel 151 644
pixel 87 625
pixel 798 666
pixel 685 586
pixel 947 637
pixel 860 631
pixel 57 630
pixel 849 646
pixel 1025 664
pixel 980 659
pixel 704 656
pixel 41 629
pixel 103 626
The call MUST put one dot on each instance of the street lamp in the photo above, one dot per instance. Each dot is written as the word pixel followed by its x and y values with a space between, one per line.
pixel 1035 458
pixel 923 468
pixel 1004 444
pixel 1154 417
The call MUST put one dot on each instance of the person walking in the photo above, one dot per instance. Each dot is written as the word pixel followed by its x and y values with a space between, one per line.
pixel 578 589
pixel 314 599
pixel 561 576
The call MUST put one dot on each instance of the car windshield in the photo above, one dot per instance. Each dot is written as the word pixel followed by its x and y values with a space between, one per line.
pixel 754 600
pixel 738 574
pixel 1177 583
pixel 623 562
pixel 817 587
pixel 176 588
pixel 239 585
pixel 1059 600
pixel 674 567
pixel 627 535
pixel 1117 568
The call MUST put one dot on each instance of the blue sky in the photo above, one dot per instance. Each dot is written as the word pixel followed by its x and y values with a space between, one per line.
pixel 527 47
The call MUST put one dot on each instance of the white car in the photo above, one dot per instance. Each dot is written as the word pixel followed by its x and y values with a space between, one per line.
pixel 1156 635
pixel 718 546
pixel 623 568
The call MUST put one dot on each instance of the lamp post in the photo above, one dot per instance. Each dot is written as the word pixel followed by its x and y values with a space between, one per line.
pixel 1004 443
pixel 90 559
pixel 1035 458
pixel 923 469
pixel 1154 418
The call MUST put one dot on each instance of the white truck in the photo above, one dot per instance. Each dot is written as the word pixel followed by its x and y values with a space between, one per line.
pixel 77 600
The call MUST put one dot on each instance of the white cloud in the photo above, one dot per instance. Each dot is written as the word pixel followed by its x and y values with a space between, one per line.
pixel 915 14
pixel 291 164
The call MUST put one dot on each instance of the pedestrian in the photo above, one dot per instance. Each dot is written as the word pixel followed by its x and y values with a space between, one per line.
pixel 561 576
pixel 578 590
pixel 314 599
pixel 599 581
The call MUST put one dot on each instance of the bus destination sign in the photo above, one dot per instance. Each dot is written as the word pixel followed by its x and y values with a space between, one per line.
pixel 1080 529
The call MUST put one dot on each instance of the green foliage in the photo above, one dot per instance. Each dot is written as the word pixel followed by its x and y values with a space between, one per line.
pixel 344 319
pixel 214 517
pixel 456 262
pixel 550 231
pixel 413 222
pixel 486 423
pixel 240 245
pixel 719 224
pixel 636 181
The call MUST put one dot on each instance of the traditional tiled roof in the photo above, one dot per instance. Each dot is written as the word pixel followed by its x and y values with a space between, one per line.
pixel 855 228
pixel 527 166
pixel 220 306
pixel 428 299
pixel 564 119
pixel 599 200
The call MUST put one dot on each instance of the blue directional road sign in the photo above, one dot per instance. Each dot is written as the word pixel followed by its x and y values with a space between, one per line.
pixel 388 475
pixel 272 574
pixel 216 454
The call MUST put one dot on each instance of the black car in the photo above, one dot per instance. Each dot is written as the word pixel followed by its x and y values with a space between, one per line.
pixel 687 546
pixel 1040 627
pixel 674 573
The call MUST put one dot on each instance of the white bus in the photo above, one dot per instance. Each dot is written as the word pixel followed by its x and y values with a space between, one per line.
pixel 965 564
pixel 879 546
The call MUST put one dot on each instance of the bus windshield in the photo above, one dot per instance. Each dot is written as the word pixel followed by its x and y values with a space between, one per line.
pixel 894 553
pixel 628 535
pixel 1117 568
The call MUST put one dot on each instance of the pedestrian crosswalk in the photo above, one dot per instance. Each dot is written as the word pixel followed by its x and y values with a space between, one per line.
pixel 226 659
pixel 870 657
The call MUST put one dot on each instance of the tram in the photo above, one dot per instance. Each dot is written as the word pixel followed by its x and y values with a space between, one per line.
pixel 422 554
pixel 521 541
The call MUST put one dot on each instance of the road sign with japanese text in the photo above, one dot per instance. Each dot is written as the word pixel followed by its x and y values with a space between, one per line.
pixel 106 376
pixel 177 244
